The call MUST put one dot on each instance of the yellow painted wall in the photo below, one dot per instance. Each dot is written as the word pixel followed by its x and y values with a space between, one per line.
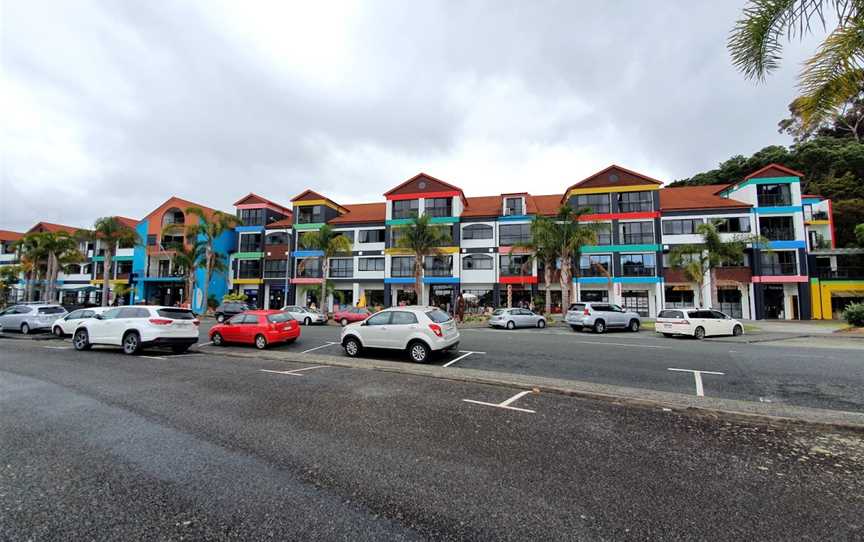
pixel 820 295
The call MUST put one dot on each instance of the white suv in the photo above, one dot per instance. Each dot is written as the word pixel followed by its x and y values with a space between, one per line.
pixel 418 330
pixel 137 327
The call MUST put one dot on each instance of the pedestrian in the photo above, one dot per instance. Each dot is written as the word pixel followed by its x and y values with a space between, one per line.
pixel 460 308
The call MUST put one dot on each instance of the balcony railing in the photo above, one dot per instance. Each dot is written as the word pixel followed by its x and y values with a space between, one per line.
pixel 779 269
pixel 341 273
pixel 437 271
pixel 516 271
pixel 774 200
pixel 638 238
pixel 274 274
pixel 635 207
pixel 841 273
pixel 307 273
pixel 779 234
pixel 819 215
pixel 591 272
pixel 638 271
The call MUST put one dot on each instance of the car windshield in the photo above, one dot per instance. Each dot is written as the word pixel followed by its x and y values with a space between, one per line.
pixel 438 316
pixel 279 318
pixel 176 314
pixel 52 310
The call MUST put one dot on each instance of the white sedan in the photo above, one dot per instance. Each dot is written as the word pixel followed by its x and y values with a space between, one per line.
pixel 69 323
pixel 699 323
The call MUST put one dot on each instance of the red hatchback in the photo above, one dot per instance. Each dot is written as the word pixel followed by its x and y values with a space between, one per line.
pixel 351 314
pixel 260 328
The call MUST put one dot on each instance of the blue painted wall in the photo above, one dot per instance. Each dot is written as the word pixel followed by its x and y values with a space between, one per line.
pixel 139 260
pixel 218 287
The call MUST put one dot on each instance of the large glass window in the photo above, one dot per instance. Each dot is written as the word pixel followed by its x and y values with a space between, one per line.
pixel 779 263
pixel 370 264
pixel 249 269
pixel 732 224
pixel 477 231
pixel 251 217
pixel 309 268
pixel 515 265
pixel 372 236
pixel 310 214
pixel 438 206
pixel 774 195
pixel 637 233
pixel 513 206
pixel 250 242
pixel 275 268
pixel 638 265
pixel 342 267
pixel 594 265
pixel 604 234
pixel 439 266
pixel 636 301
pixel 777 228
pixel 685 226
pixel 276 238
pixel 402 266
pixel 634 202
pixel 406 208
pixel 511 234
pixel 124 267
pixel 347 234
pixel 472 262
pixel 596 203
pixel 679 297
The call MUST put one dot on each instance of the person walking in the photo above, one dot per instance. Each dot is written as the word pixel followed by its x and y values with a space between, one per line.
pixel 460 308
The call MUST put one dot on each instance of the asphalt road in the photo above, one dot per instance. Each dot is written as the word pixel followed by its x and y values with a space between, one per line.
pixel 97 445
pixel 763 372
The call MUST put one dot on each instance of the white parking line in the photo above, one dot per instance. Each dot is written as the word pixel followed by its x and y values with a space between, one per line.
pixel 318 347
pixel 505 404
pixel 153 357
pixel 295 372
pixel 465 354
pixel 58 347
pixel 204 344
pixel 697 375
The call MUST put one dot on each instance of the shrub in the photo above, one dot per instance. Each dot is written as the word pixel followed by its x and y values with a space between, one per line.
pixel 854 314
pixel 231 296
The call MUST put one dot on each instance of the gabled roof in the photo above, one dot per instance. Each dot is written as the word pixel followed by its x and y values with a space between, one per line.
pixel 771 168
pixel 309 194
pixel 693 198
pixel 180 203
pixel 128 222
pixel 362 212
pixel 53 228
pixel 413 186
pixel 625 177
pixel 8 235
pixel 286 222
pixel 252 198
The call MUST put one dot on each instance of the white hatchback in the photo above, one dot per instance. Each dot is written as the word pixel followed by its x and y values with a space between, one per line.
pixel 699 323
pixel 69 323
pixel 137 327
pixel 418 330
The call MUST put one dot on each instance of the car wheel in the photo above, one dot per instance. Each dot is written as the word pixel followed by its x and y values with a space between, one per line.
pixel 599 326
pixel 180 348
pixel 576 328
pixel 634 325
pixel 737 331
pixel 81 340
pixel 260 342
pixel 307 321
pixel 217 339
pixel 419 352
pixel 352 347
pixel 699 333
pixel 541 323
pixel 220 318
pixel 344 322
pixel 131 343
pixel 511 325
pixel 668 335
pixel 25 329
pixel 58 332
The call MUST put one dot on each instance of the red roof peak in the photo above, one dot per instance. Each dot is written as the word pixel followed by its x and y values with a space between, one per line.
pixel 252 198
pixel 761 171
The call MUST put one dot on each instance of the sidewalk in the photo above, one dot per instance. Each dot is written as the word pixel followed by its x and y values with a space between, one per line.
pixel 800 327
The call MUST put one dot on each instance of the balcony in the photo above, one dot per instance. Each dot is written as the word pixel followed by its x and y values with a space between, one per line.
pixel 819 215
pixel 779 269
pixel 841 273
pixel 774 200
pixel 341 272
pixel 638 271
pixel 779 234
pixel 740 274
pixel 593 271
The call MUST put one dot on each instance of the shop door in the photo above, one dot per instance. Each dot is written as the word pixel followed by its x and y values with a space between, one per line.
pixel 774 301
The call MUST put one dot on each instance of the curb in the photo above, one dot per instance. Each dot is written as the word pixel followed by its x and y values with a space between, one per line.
pixel 733 409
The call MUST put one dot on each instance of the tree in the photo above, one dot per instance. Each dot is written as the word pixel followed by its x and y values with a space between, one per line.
pixel 187 259
pixel 31 248
pixel 110 234
pixel 62 251
pixel 544 249
pixel 8 276
pixel 859 234
pixel 422 239
pixel 207 230
pixel 831 77
pixel 846 122
pixel 331 243
pixel 569 236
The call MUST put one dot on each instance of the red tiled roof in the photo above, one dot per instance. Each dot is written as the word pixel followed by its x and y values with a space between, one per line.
pixel 696 197
pixel 252 198
pixel 784 169
pixel 482 206
pixel 362 212
pixel 546 205
pixel 182 204
pixel 7 235
pixel 53 228
pixel 128 222
pixel 286 222
pixel 629 178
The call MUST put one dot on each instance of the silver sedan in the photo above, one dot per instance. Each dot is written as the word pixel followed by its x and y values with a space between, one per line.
pixel 513 318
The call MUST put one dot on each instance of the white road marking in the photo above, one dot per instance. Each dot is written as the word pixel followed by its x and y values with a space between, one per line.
pixel 505 404
pixel 295 372
pixel 58 347
pixel 153 357
pixel 697 375
pixel 465 354
pixel 205 344
pixel 318 347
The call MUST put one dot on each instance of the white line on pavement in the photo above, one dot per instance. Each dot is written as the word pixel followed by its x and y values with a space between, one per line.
pixel 318 347
pixel 295 372
pixel 697 375
pixel 505 404
pixel 465 354
pixel 153 357
pixel 58 347
pixel 205 344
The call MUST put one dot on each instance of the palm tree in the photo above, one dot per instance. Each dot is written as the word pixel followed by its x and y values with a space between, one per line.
pixel 110 233
pixel 422 239
pixel 569 236
pixel 8 276
pixel 331 243
pixel 544 249
pixel 62 249
pixel 31 247
pixel 831 77
pixel 186 260
pixel 207 230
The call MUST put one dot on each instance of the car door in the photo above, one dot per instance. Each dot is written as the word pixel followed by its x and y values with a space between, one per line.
pixel 526 318
pixel 403 325
pixel 9 318
pixel 69 322
pixel 250 327
pixel 99 329
pixel 232 328
pixel 722 324
pixel 617 316
pixel 375 329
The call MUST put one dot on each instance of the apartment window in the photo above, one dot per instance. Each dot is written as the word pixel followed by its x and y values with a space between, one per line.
pixel 732 224
pixel 342 267
pixel 604 234
pixel 594 265
pixel 402 266
pixel 168 242
pixel 439 266
pixel 634 202
pixel 594 296
pixel 250 242
pixel 406 208
pixel 309 268
pixel 310 214
pixel 681 227
pixel 370 264
pixel 595 203
pixel 477 231
pixel 396 234
pixel 774 195
pixel 124 267
pixel 515 265
pixel 275 268
pixel 474 262
pixel 251 217
pixel 276 238
pixel 151 240
pixel 348 234
pixel 438 206
pixel 513 206
pixel 777 228
pixel 637 233
pixel 511 234
pixel 778 263
pixel 445 233
pixel 249 269
pixel 372 236
pixel 684 259
pixel 636 301
pixel 679 297
pixel 638 265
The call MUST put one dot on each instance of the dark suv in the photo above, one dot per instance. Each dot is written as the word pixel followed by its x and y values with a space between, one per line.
pixel 228 309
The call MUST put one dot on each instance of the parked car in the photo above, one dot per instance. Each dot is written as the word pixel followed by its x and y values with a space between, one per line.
pixel 30 317
pixel 601 317
pixel 305 316
pixel 68 324
pixel 699 323
pixel 513 318
pixel 261 328
pixel 137 327
pixel 351 314
pixel 420 331
pixel 228 309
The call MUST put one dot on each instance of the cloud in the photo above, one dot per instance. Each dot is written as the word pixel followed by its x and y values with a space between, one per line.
pixel 111 107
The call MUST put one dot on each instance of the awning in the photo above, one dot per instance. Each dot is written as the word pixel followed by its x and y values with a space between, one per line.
pixel 78 287
pixel 847 293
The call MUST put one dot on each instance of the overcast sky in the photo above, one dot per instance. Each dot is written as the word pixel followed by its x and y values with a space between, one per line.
pixel 111 107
